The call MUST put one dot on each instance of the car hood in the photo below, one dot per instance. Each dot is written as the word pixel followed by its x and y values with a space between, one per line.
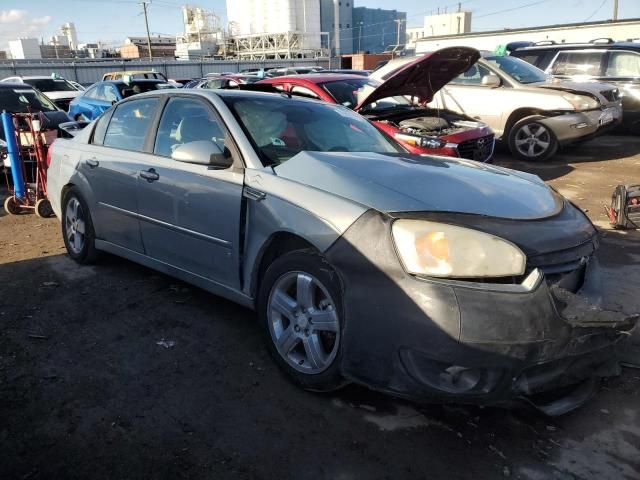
pixel 62 95
pixel 574 87
pixel 412 183
pixel 424 76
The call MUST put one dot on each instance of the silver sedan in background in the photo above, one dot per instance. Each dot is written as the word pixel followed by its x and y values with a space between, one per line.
pixel 430 278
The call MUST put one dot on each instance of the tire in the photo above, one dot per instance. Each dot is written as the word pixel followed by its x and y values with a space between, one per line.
pixel 11 206
pixel 43 208
pixel 313 353
pixel 531 141
pixel 77 228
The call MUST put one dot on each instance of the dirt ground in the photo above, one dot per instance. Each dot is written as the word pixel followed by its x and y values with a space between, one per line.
pixel 87 391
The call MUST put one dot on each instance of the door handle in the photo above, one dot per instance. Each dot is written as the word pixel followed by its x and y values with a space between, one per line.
pixel 92 162
pixel 149 175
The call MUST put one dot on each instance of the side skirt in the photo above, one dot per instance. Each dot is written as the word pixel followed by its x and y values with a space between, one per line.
pixel 197 280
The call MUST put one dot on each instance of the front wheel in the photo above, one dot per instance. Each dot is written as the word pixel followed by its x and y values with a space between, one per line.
pixel 11 206
pixel 300 308
pixel 77 228
pixel 531 140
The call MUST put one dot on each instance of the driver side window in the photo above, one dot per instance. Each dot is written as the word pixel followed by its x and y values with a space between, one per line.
pixel 473 76
pixel 184 121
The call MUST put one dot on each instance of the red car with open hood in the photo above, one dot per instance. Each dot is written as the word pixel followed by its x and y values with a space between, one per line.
pixel 398 106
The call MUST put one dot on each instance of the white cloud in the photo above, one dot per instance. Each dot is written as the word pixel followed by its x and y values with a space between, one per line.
pixel 16 23
pixel 12 16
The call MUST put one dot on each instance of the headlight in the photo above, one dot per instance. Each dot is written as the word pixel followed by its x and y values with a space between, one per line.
pixel 420 141
pixel 442 250
pixel 581 102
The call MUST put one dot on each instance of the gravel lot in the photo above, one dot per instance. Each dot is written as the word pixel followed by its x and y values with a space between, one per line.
pixel 86 391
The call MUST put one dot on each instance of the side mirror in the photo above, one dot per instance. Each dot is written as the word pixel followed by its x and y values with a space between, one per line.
pixel 202 152
pixel 491 81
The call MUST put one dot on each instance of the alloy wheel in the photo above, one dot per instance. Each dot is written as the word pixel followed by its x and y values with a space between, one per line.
pixel 533 140
pixel 75 225
pixel 303 322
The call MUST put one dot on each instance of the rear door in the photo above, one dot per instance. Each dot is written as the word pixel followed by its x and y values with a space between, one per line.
pixel 112 168
pixel 190 214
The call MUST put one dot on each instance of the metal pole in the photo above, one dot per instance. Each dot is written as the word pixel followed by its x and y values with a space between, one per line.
pixel 360 38
pixel 615 10
pixel 146 22
pixel 336 25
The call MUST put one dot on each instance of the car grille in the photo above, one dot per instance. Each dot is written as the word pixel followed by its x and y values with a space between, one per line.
pixel 479 149
pixel 613 95
pixel 565 266
pixel 63 104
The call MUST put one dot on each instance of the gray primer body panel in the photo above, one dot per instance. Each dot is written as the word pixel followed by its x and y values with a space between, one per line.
pixel 388 183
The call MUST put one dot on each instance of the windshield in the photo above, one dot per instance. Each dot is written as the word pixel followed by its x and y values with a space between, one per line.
pixel 23 100
pixel 522 71
pixel 280 128
pixel 50 85
pixel 350 92
pixel 140 87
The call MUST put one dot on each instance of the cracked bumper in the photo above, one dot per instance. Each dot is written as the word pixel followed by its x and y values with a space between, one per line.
pixel 475 343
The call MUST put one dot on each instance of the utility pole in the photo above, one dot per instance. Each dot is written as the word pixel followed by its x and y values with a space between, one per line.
pixel 615 10
pixel 399 23
pixel 146 22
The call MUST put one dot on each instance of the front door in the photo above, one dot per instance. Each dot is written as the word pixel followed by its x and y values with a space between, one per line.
pixel 467 95
pixel 189 213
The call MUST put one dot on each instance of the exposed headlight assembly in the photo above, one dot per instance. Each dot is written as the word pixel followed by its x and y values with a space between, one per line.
pixel 420 141
pixel 448 251
pixel 581 102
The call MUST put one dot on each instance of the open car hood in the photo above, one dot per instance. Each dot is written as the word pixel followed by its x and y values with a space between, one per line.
pixel 424 76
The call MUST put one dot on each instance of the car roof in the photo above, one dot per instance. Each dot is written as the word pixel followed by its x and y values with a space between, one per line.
pixel 15 85
pixel 233 93
pixel 581 46
pixel 317 77
pixel 133 81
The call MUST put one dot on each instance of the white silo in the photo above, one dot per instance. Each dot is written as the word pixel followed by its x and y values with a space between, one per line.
pixel 276 16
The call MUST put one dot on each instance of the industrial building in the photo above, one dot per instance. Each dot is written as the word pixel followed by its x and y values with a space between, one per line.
pixel 344 28
pixel 628 29
pixel 202 35
pixel 378 30
pixel 25 49
pixel 281 29
pixel 136 47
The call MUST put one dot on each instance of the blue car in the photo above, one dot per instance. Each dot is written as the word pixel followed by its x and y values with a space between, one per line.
pixel 101 95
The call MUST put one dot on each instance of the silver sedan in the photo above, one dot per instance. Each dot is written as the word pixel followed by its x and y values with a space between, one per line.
pixel 426 277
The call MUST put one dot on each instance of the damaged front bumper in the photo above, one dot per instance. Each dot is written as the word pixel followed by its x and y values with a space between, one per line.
pixel 468 342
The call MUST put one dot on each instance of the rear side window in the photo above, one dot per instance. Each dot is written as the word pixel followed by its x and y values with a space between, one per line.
pixel 304 92
pixel 101 128
pixel 578 63
pixel 130 123
pixel 623 64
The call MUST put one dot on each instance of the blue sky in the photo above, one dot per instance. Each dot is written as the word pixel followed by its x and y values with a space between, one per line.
pixel 112 20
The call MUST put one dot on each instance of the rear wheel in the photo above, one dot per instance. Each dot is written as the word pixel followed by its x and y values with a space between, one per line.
pixel 300 308
pixel 43 208
pixel 530 140
pixel 77 228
